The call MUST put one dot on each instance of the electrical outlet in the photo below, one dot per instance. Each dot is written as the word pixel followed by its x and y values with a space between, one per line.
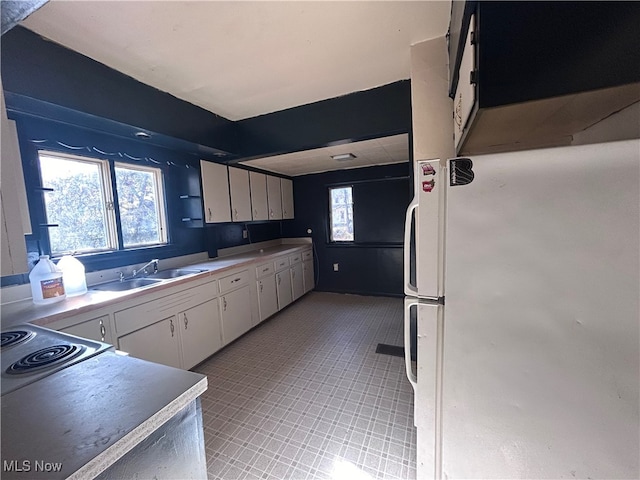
pixel 244 234
pixel 336 267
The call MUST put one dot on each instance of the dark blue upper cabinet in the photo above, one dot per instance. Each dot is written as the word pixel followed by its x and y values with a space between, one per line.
pixel 542 71
pixel 534 50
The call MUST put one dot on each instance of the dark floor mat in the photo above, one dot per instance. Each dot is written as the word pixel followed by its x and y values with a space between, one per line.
pixel 390 350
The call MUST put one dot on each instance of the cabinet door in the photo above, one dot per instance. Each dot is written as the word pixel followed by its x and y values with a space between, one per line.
pixel 307 275
pixel 236 313
pixel 465 93
pixel 98 329
pixel 286 188
pixel 267 297
pixel 274 198
pixel 297 281
pixel 14 211
pixel 201 332
pixel 240 196
pixel 259 205
pixel 215 192
pixel 156 343
pixel 283 285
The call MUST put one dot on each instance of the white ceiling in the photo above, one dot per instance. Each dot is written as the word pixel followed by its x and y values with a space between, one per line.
pixel 240 59
pixel 379 151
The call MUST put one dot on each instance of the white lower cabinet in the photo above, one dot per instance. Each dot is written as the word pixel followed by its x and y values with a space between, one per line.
pixel 200 332
pixel 307 271
pixel 157 342
pixel 98 329
pixel 283 286
pixel 267 297
pixel 178 329
pixel 297 281
pixel 236 313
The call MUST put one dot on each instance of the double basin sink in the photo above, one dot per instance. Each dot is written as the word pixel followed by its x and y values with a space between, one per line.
pixel 153 279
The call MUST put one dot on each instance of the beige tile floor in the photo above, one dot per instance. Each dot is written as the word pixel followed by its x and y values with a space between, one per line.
pixel 305 396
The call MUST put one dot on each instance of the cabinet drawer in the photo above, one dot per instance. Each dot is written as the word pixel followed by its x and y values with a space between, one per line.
pixel 264 269
pixel 281 263
pixel 234 281
pixel 307 255
pixel 295 258
pixel 139 316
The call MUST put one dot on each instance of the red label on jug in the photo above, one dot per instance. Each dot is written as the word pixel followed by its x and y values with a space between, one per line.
pixel 52 288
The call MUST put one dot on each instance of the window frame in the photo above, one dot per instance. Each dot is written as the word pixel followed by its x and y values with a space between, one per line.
pixel 161 210
pixel 109 192
pixel 329 191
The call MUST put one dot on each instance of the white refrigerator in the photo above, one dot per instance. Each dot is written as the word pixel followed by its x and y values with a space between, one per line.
pixel 526 294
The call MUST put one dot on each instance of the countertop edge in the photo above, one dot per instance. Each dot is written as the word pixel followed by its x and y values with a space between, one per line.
pixel 116 451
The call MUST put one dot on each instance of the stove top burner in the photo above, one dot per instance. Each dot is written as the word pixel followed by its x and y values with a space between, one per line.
pixel 44 358
pixel 14 337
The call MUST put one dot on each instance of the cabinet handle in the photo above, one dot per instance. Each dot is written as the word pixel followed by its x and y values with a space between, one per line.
pixel 255 213
pixel 261 286
pixel 224 304
pixel 235 213
pixel 236 280
pixel 171 327
pixel 103 331
pixel 279 279
pixel 265 269
pixel 186 321
pixel 271 212
pixel 209 210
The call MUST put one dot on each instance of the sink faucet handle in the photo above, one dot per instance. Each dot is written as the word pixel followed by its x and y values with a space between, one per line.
pixel 121 276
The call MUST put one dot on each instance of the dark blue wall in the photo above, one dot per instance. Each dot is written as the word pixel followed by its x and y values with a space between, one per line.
pixel 372 265
pixel 180 171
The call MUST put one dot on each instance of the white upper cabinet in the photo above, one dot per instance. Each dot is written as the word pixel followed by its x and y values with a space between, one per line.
pixel 259 206
pixel 215 192
pixel 240 195
pixel 15 222
pixel 274 198
pixel 286 188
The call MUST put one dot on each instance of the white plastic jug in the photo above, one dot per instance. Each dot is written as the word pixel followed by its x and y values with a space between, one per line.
pixel 75 282
pixel 47 285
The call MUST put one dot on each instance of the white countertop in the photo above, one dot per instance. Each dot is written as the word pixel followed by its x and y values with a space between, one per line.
pixel 89 415
pixel 27 312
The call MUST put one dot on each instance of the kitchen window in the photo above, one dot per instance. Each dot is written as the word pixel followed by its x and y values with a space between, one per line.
pixel 140 199
pixel 82 216
pixel 341 213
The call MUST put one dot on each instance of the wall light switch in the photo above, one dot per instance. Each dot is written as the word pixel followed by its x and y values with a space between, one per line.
pixel 244 234
pixel 336 267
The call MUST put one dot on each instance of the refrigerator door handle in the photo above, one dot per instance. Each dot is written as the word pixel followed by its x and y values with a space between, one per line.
pixel 413 379
pixel 408 288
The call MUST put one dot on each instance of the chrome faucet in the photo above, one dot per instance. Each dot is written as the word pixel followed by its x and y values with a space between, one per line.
pixel 143 269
